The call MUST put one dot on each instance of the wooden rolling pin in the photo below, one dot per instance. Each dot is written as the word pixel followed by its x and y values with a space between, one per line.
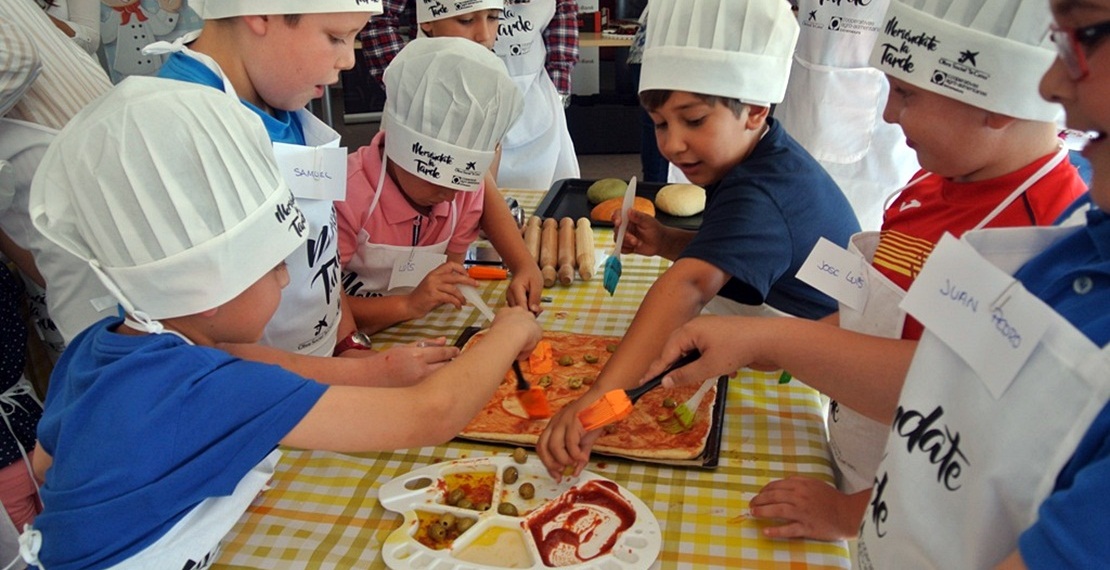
pixel 532 238
pixel 549 251
pixel 584 246
pixel 566 251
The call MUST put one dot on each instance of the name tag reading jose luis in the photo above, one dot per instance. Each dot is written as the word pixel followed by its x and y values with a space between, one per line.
pixel 983 314
pixel 410 270
pixel 837 273
pixel 313 172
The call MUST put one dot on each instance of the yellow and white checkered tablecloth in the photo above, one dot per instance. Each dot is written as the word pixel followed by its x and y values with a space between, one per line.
pixel 322 510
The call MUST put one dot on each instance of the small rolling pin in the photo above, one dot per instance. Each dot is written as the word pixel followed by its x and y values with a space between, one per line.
pixel 566 251
pixel 584 246
pixel 532 238
pixel 549 251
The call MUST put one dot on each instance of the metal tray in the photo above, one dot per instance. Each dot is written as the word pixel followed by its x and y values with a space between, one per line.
pixel 567 198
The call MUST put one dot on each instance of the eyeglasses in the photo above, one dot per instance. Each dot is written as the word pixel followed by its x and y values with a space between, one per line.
pixel 1072 45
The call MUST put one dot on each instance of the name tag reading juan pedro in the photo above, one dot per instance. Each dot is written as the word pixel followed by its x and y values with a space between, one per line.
pixel 983 314
pixel 837 273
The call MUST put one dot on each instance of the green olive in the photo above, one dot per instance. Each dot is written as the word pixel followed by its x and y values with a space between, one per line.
pixel 462 524
pixel 510 475
pixel 544 381
pixel 519 455
pixel 669 403
pixel 574 383
pixel 447 520
pixel 590 358
pixel 465 503
pixel 507 509
pixel 455 496
pixel 437 532
pixel 611 347
pixel 481 507
pixel 566 360
pixel 527 491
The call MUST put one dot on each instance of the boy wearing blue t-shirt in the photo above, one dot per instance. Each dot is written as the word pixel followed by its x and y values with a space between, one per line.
pixel 154 441
pixel 767 200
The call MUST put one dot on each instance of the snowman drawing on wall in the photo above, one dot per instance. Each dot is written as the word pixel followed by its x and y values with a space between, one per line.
pixel 126 26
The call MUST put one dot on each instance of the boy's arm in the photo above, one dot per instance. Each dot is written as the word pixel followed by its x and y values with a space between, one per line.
pixel 675 298
pixel 349 419
pixel 498 223
pixel 393 367
pixel 438 287
pixel 40 462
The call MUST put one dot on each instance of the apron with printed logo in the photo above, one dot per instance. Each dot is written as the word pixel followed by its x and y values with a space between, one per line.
pixel 537 149
pixel 373 267
pixel 973 450
pixel 844 129
pixel 855 440
pixel 307 320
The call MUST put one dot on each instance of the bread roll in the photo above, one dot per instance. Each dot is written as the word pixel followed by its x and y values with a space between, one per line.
pixel 681 200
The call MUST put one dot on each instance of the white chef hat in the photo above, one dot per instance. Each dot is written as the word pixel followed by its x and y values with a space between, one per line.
pixel 431 10
pixel 179 205
pixel 989 54
pixel 740 49
pixel 448 103
pixel 216 9
pixel 19 65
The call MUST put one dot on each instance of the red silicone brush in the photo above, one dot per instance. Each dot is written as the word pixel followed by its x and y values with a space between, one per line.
pixel 615 405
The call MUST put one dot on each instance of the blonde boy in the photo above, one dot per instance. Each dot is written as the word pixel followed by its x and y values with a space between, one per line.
pixel 711 70
pixel 154 441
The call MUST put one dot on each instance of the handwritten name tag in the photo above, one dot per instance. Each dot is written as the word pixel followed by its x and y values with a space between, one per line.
pixel 410 270
pixel 983 314
pixel 837 273
pixel 316 173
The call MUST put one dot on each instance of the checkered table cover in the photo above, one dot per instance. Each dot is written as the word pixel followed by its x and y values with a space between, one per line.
pixel 322 511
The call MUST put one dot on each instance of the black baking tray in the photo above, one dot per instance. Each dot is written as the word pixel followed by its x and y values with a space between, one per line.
pixel 709 457
pixel 567 199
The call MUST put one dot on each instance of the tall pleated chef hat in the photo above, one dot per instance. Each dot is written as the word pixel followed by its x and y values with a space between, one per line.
pixel 177 208
pixel 740 49
pixel 431 10
pixel 216 9
pixel 19 66
pixel 990 54
pixel 448 103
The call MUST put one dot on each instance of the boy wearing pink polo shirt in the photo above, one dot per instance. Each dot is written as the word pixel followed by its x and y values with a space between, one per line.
pixel 415 193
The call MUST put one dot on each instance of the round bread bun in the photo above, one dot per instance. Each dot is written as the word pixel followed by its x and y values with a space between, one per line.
pixel 681 200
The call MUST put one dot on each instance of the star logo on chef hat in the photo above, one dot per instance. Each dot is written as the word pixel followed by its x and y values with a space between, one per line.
pixel 472 165
pixel 967 56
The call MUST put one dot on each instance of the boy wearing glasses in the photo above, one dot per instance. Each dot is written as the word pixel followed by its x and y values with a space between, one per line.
pixel 999 450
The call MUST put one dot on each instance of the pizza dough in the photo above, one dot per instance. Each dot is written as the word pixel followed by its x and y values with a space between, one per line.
pixel 681 200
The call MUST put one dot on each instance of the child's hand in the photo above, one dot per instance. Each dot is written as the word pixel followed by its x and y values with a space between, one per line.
pixel 438 288
pixel 524 326
pixel 526 288
pixel 721 341
pixel 564 443
pixel 645 234
pixel 810 508
pixel 409 364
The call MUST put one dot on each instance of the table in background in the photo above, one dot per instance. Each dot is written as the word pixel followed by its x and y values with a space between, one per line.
pixel 322 511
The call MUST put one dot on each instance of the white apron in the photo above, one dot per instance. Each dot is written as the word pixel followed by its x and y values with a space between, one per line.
pixel 972 454
pixel 307 319
pixel 374 267
pixel 537 149
pixel 843 129
pixel 856 441
pixel 194 542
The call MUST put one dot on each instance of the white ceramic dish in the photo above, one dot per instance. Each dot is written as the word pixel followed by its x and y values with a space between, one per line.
pixel 499 541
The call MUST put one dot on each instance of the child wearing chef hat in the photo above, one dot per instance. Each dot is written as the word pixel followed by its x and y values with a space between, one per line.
pixel 999 436
pixel 711 70
pixel 415 194
pixel 155 442
pixel 964 93
pixel 475 20
pixel 277 55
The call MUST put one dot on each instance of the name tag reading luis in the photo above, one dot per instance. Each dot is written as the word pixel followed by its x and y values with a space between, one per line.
pixel 410 270
pixel 986 316
pixel 316 173
pixel 837 273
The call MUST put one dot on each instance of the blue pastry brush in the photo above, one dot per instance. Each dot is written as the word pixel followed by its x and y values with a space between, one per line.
pixel 612 271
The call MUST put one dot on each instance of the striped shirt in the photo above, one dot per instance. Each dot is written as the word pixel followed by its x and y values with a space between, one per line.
pixel 70 78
